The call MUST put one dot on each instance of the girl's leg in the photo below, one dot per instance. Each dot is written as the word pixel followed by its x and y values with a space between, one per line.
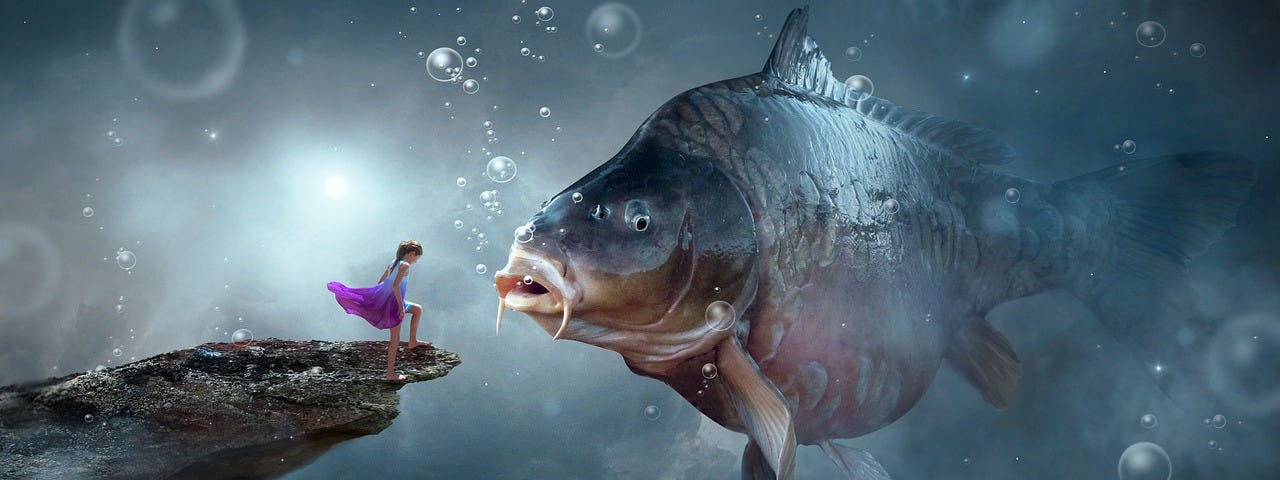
pixel 391 355
pixel 416 310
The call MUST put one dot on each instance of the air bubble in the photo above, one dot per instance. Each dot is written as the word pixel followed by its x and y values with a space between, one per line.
pixel 1148 421
pixel 891 206
pixel 242 337
pixel 853 54
pixel 720 316
pixel 1145 461
pixel 1128 146
pixel 545 13
pixel 470 86
pixel 444 64
pixel 1150 34
pixel 87 212
pixel 500 169
pixel 1197 50
pixel 652 412
pixel 1012 195
pixel 861 86
pixel 544 112
pixel 709 371
pixel 480 268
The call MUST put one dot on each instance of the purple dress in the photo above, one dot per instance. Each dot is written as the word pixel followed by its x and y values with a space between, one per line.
pixel 376 304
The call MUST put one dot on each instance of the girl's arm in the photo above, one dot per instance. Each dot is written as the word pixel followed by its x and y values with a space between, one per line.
pixel 395 286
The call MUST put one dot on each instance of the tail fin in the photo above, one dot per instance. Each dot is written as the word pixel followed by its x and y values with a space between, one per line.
pixel 1148 220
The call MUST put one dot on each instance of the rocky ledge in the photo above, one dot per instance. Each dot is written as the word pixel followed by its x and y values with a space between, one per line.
pixel 215 411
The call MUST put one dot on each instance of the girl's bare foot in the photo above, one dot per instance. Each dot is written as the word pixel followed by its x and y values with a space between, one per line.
pixel 416 344
pixel 391 377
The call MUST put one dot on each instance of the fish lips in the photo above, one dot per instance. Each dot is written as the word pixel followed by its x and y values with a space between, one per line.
pixel 539 285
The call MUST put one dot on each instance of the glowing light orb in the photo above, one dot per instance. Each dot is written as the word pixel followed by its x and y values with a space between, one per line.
pixel 335 187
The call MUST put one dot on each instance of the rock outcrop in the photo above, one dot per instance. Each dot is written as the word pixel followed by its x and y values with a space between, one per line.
pixel 215 411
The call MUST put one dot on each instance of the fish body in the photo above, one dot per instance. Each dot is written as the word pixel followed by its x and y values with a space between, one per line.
pixel 856 246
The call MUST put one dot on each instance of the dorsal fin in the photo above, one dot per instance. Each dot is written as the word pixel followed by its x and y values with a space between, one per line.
pixel 797 61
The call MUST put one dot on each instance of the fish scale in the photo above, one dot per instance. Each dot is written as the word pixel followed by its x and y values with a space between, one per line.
pixel 770 201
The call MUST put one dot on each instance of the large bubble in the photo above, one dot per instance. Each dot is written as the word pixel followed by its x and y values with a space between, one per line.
pixel 444 64
pixel 500 169
pixel 720 315
pixel 1145 461
pixel 182 49
pixel 861 86
pixel 613 30
pixel 1244 364
pixel 30 267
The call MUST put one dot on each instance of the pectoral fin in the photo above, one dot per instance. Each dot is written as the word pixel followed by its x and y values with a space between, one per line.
pixel 763 411
pixel 985 358
pixel 856 463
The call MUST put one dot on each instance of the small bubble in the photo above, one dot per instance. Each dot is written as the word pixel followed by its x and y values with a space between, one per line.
pixel 471 62
pixel 890 206
pixel 457 224
pixel 515 19
pixel 853 54
pixel 552 29
pixel 524 234
pixel 1213 444
pixel 652 412
pixel 709 371
pixel 544 112
pixel 119 308
pixel 577 197
pixel 470 86
pixel 480 268
pixel 1012 195
pixel 413 9
pixel 1197 50
pixel 1128 146
pixel 861 85
pixel 1219 421
pixel 528 280
pixel 116 352
pixel 524 51
pixel 461 40
pixel 759 17
pixel 599 47
pixel 88 418
pixel 242 337
pixel 1148 421
pixel 720 316
pixel 545 13
pixel 1150 34
pixel 125 259
pixel 87 212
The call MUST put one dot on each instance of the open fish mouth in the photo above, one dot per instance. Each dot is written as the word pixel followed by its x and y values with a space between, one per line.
pixel 535 283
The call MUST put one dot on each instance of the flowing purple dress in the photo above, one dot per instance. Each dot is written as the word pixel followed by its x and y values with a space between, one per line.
pixel 376 304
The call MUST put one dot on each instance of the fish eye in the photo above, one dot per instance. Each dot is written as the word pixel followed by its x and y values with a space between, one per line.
pixel 638 215
pixel 640 222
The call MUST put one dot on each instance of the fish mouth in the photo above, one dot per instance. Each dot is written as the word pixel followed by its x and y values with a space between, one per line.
pixel 535 283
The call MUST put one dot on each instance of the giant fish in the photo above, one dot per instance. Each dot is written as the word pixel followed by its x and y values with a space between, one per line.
pixel 797 259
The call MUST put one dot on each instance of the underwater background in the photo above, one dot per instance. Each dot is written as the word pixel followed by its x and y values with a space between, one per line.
pixel 174 172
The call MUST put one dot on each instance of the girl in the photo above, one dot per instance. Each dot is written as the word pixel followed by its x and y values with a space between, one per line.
pixel 383 305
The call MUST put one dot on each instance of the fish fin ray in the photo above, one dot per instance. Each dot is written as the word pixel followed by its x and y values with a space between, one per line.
pixel 984 357
pixel 1153 216
pixel 797 61
pixel 857 464
pixel 754 465
pixel 761 406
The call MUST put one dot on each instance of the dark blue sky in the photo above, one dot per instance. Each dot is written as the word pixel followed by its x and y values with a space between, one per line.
pixel 202 135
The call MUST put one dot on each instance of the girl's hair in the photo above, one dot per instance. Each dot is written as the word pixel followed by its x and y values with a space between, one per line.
pixel 406 247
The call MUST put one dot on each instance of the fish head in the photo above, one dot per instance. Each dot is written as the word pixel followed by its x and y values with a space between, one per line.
pixel 631 256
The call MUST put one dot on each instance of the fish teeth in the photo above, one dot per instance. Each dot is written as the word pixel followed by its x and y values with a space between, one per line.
pixel 564 324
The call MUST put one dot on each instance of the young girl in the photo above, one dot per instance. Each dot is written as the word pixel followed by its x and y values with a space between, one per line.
pixel 383 305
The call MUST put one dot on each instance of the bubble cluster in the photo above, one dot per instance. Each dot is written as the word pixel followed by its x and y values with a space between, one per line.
pixel 613 30
pixel 861 85
pixel 1145 461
